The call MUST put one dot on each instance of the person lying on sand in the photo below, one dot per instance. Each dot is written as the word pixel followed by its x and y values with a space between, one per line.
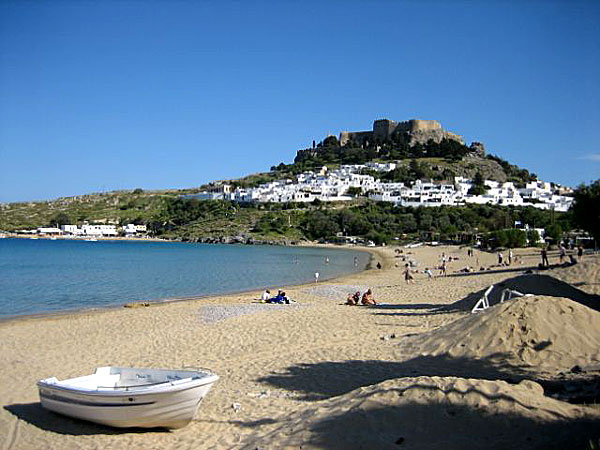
pixel 280 298
pixel 368 299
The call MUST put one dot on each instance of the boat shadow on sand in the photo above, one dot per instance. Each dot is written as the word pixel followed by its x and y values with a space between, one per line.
pixel 34 414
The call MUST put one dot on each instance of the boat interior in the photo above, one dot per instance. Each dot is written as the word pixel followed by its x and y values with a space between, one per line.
pixel 114 378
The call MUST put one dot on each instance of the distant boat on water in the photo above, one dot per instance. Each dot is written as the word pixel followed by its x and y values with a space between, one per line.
pixel 92 240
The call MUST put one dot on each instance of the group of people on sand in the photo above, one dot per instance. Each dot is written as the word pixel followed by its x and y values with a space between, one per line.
pixel 562 255
pixel 280 298
pixel 367 298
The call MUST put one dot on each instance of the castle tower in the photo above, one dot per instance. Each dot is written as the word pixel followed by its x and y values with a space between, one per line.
pixel 383 129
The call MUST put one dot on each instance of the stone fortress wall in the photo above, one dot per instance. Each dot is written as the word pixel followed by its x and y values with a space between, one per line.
pixel 413 131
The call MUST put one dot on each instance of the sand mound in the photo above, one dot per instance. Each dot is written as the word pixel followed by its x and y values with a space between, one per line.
pixel 547 332
pixel 530 284
pixel 436 412
pixel 585 275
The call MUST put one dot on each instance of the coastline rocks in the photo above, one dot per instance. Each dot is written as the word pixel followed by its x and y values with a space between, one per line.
pixel 240 239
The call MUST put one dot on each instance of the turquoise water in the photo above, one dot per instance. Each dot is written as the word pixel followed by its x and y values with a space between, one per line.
pixel 43 276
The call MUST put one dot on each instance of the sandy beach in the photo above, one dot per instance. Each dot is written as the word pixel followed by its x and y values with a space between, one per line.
pixel 417 372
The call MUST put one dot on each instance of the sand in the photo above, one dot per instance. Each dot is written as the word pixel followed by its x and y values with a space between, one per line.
pixel 319 374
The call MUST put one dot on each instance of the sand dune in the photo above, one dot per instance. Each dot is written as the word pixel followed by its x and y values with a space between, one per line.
pixel 434 413
pixel 552 334
pixel 536 284
pixel 584 275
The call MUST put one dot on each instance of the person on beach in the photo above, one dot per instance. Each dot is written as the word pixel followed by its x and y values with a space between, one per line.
pixel 544 255
pixel 367 298
pixel 378 265
pixel 500 259
pixel 407 275
pixel 429 273
pixel 280 298
pixel 316 277
pixel 579 252
pixel 265 295
pixel 562 253
pixel 510 257
pixel 353 299
pixel 443 269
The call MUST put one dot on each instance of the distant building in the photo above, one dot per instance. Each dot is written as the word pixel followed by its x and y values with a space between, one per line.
pixel 49 231
pixel 99 230
pixel 132 230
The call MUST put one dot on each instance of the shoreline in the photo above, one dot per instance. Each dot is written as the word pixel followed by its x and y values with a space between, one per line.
pixel 172 300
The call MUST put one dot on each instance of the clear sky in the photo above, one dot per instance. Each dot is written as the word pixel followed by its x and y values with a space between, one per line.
pixel 98 96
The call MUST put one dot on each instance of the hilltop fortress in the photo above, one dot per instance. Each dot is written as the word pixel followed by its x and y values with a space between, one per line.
pixel 411 132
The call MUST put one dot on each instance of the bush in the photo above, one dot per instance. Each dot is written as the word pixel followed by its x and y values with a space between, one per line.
pixel 533 237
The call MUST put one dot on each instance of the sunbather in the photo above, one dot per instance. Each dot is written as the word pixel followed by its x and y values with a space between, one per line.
pixel 367 298
pixel 353 299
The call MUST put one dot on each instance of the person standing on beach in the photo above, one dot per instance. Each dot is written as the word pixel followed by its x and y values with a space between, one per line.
pixel 500 259
pixel 562 252
pixel 544 254
pixel 443 268
pixel 407 275
pixel 316 277
pixel 579 252
pixel 510 257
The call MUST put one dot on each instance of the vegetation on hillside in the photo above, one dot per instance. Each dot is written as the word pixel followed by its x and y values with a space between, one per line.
pixel 586 209
pixel 375 221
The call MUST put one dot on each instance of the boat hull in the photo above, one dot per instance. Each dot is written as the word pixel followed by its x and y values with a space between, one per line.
pixel 174 407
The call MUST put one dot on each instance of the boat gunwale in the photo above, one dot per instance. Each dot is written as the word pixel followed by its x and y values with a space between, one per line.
pixel 120 391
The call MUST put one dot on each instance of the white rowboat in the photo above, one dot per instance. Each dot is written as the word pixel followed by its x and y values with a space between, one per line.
pixel 129 397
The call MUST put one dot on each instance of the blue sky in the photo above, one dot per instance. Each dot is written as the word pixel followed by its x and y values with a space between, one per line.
pixel 98 96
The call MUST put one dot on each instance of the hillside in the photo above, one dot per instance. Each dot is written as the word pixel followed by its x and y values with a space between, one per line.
pixel 439 156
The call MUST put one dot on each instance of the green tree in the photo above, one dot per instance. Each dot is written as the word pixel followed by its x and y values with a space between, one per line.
pixel 586 208
pixel 516 238
pixel 60 219
pixel 554 231
pixel 354 191
pixel 417 169
pixel 330 141
pixel 478 187
pixel 533 237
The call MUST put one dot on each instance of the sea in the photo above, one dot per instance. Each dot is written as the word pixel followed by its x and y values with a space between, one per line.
pixel 47 276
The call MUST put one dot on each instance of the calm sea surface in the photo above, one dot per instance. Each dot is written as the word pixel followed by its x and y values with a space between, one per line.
pixel 42 276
